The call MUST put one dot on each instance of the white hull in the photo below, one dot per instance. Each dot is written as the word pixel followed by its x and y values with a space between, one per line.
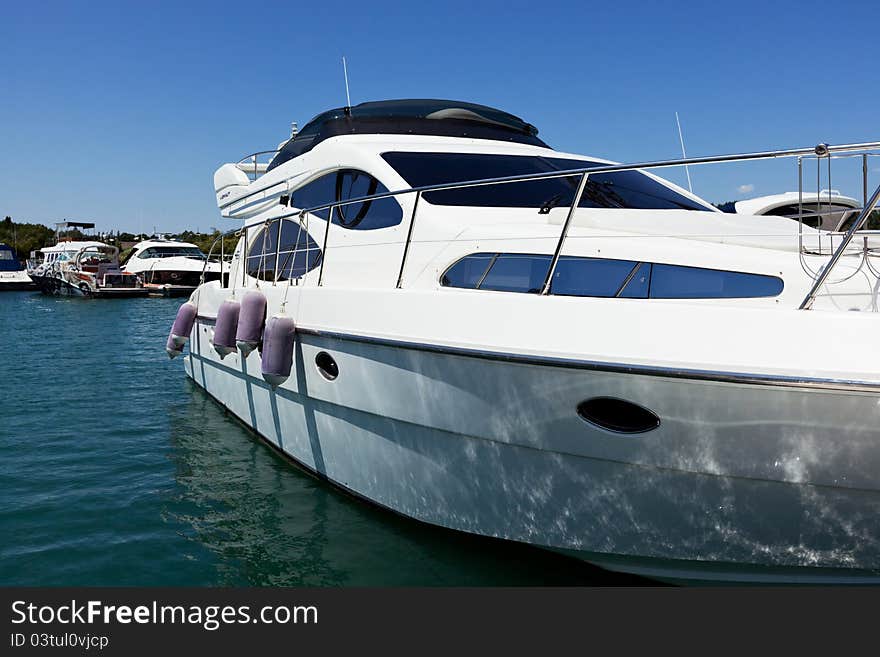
pixel 485 333
pixel 15 280
pixel 743 481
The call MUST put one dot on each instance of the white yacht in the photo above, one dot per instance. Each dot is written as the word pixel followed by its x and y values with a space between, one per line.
pixel 826 209
pixel 83 269
pixel 12 275
pixel 595 362
pixel 170 267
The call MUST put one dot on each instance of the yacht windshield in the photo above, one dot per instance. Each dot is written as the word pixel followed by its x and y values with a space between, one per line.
pixel 618 189
pixel 172 251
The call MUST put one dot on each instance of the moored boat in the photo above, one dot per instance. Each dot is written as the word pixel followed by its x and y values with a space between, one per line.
pixel 13 277
pixel 826 209
pixel 170 267
pixel 84 269
pixel 477 331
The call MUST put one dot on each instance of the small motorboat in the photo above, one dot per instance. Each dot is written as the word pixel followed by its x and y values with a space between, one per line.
pixel 85 269
pixel 12 275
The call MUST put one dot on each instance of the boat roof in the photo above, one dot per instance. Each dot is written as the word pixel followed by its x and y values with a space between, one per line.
pixel 70 246
pixel 162 242
pixel 763 204
pixel 448 118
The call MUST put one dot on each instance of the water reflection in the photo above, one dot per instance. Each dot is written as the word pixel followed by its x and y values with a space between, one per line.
pixel 117 471
pixel 270 523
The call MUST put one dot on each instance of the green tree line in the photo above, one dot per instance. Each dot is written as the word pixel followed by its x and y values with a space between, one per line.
pixel 25 238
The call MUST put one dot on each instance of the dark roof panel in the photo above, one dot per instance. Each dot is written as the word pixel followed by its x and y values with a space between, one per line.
pixel 448 118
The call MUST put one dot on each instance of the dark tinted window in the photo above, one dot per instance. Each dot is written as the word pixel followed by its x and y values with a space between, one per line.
pixel 298 253
pixel 639 284
pixel 675 282
pixel 590 277
pixel 317 192
pixel 514 272
pixel 469 271
pixel 823 215
pixel 346 184
pixel 369 215
pixel 599 277
pixel 171 251
pixel 621 189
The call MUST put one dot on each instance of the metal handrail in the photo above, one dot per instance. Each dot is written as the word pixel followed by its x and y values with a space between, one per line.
pixel 253 156
pixel 602 168
pixel 807 303
pixel 820 151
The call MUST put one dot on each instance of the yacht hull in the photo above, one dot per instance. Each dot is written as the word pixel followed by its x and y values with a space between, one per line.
pixel 16 284
pixel 168 290
pixel 739 483
pixel 59 287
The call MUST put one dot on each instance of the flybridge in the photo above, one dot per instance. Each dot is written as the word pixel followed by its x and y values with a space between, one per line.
pixel 446 118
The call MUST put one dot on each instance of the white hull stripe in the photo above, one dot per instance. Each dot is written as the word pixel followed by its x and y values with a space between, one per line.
pixel 842 385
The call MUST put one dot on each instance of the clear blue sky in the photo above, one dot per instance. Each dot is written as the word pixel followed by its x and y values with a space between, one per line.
pixel 119 112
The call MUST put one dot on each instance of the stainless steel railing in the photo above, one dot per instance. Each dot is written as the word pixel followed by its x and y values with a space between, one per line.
pixel 820 151
pixel 252 166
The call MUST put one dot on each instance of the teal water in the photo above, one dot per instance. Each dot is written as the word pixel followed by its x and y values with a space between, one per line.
pixel 116 470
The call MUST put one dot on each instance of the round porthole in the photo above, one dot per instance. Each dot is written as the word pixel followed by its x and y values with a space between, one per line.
pixel 617 415
pixel 326 365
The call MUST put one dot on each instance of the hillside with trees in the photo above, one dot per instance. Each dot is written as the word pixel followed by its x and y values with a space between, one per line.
pixel 25 238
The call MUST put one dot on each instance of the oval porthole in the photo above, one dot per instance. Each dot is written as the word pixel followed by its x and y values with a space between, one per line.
pixel 617 415
pixel 326 365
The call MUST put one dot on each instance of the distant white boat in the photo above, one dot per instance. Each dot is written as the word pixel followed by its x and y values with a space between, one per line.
pixel 170 267
pixel 12 275
pixel 826 210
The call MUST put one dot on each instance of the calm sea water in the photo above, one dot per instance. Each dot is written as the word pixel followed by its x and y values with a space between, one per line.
pixel 115 470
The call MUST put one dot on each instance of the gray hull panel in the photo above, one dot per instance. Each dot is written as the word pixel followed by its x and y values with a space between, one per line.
pixel 737 480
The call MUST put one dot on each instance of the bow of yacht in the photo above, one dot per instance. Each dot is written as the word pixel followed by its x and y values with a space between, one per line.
pixel 500 338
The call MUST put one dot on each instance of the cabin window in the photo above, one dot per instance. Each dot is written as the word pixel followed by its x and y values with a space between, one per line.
pixel 516 272
pixel 469 271
pixel 297 255
pixel 603 277
pixel 347 184
pixel 618 189
pixel 171 251
pixel 590 277
pixel 675 282
pixel 318 192
pixel 638 285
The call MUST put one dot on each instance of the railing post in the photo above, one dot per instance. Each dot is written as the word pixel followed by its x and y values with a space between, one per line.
pixel 243 260
pixel 574 204
pixel 409 232
pixel 222 253
pixel 324 251
pixel 277 249
pixel 857 224
pixel 800 163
